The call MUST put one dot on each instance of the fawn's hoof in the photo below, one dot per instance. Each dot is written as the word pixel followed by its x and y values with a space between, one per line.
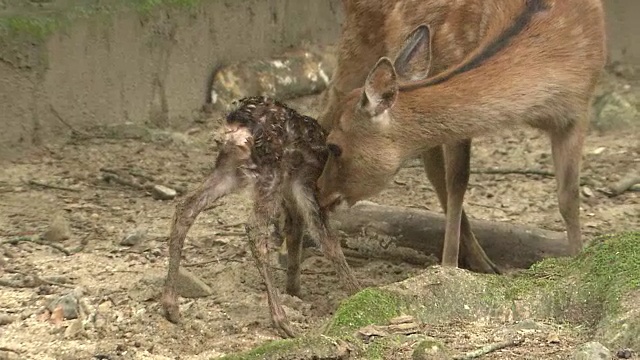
pixel 294 290
pixel 285 329
pixel 171 310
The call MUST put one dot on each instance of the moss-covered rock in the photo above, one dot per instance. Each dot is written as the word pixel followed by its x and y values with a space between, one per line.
pixel 598 289
pixel 317 348
pixel 430 349
pixel 369 306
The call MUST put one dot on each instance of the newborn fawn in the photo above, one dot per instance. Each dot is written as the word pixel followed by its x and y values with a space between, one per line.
pixel 280 154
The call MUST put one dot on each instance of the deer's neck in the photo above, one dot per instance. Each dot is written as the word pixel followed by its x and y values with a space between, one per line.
pixel 458 110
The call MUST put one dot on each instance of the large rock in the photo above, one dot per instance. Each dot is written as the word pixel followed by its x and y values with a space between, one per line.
pixel 292 74
pixel 591 351
pixel 615 110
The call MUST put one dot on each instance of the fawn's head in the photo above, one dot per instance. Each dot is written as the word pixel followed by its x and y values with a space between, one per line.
pixel 364 155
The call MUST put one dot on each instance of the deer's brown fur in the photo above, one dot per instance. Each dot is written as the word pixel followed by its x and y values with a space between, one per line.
pixel 536 62
pixel 376 28
pixel 279 153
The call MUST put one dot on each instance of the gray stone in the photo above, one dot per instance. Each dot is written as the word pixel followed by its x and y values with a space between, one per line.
pixel 591 351
pixel 133 238
pixel 8 355
pixel 58 230
pixel 6 319
pixel 190 286
pixel 69 304
pixel 161 192
pixel 74 329
pixel 614 110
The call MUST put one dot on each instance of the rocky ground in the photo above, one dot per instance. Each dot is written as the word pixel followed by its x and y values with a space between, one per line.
pixel 89 199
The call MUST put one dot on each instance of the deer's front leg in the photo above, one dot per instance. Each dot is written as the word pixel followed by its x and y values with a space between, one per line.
pixel 457 160
pixel 473 256
pixel 258 234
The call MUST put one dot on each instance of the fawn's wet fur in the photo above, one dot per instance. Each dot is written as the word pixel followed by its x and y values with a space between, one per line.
pixel 279 154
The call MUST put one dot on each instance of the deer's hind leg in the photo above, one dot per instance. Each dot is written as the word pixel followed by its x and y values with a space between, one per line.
pixel 293 232
pixel 566 147
pixel 258 233
pixel 217 185
pixel 315 221
pixel 472 254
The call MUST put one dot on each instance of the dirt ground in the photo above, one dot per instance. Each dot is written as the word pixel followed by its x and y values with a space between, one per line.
pixel 124 282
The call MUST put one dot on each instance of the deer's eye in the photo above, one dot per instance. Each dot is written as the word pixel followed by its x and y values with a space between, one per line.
pixel 334 149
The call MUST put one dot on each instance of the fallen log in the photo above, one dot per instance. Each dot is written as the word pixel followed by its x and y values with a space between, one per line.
pixel 508 245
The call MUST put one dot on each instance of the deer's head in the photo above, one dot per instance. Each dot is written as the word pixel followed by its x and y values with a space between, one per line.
pixel 364 138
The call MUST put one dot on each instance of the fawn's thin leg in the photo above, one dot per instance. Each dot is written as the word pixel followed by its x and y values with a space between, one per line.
pixel 566 146
pixel 217 185
pixel 258 234
pixel 472 253
pixel 316 224
pixel 293 231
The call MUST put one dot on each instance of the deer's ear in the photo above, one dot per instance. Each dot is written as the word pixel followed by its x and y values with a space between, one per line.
pixel 413 61
pixel 380 89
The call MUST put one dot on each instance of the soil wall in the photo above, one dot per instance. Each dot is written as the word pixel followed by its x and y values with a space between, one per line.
pixel 139 66
pixel 153 67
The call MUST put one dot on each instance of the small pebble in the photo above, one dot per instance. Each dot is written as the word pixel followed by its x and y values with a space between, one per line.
pixel 69 305
pixel 74 329
pixel 6 319
pixel 134 237
pixel 58 230
pixel 624 354
pixel 161 192
pixel 586 191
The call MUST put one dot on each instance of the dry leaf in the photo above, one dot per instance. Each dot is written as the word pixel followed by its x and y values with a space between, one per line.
pixel 57 316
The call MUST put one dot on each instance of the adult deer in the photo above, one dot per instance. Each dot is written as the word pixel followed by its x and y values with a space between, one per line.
pixel 537 62
pixel 376 28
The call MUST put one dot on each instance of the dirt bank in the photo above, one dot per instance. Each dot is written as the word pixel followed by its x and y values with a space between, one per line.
pixel 63 65
pixel 74 64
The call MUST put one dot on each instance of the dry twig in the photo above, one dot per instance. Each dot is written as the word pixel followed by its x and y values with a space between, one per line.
pixel 73 130
pixel 4 348
pixel 493 171
pixel 111 176
pixel 489 349
pixel 48 186
pixel 37 281
pixel 38 241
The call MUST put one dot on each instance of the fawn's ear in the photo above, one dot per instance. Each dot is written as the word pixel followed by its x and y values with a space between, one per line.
pixel 413 61
pixel 380 88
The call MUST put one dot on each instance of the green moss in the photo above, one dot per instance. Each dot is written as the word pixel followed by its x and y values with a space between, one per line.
pixel 36 26
pixel 279 348
pixel 542 275
pixel 149 5
pixel 270 347
pixel 609 268
pixel 369 306
pixel 38 23
pixel 385 348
